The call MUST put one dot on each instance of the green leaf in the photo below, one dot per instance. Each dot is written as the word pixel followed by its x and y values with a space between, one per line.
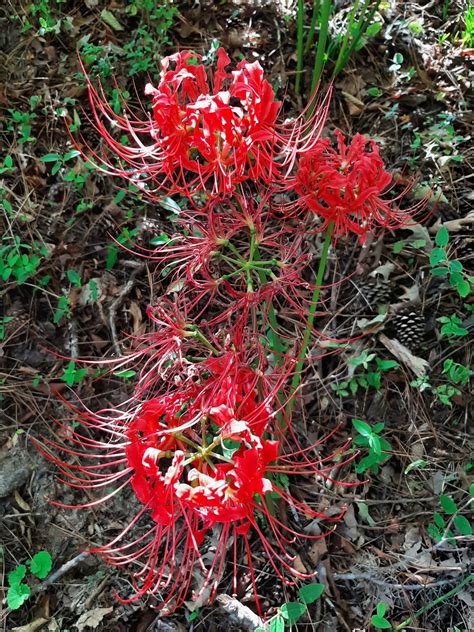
pixel 398 58
pixel 41 564
pixel 74 153
pixel 380 623
pixel 126 374
pixel 51 158
pixel 74 278
pixel 277 624
pixel 310 592
pixel 362 428
pixel 455 266
pixel 386 365
pixel 15 576
pixel 442 237
pixel 376 92
pixel 463 525
pixel 17 595
pixel 292 610
pixel 7 206
pixel 434 532
pixel 381 609
pixel 463 288
pixel 398 245
pixel 438 520
pixel 109 18
pixel 447 504
pixel 437 255
pixel 159 240
pixel 373 29
pixel 170 205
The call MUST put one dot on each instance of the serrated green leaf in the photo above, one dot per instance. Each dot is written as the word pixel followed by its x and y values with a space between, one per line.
pixel 463 288
pixel 40 564
pixel 292 610
pixel 463 525
pixel 17 595
pixel 442 237
pixel 447 504
pixel 434 532
pixel 310 592
pixel 16 575
pixel 437 255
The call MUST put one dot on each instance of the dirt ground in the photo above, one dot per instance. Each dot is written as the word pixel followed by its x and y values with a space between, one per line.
pixel 75 291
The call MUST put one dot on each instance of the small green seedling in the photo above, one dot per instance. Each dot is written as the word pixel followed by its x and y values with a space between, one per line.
pixel 451 327
pixel 59 161
pixel 378 619
pixel 440 528
pixel 289 613
pixel 378 447
pixel 441 266
pixel 18 591
pixel 374 367
pixel 72 375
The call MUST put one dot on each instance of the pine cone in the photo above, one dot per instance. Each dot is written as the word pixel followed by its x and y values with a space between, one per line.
pixel 374 292
pixel 408 325
pixel 464 251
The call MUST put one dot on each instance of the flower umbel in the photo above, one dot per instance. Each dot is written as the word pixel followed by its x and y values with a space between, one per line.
pixel 201 467
pixel 345 186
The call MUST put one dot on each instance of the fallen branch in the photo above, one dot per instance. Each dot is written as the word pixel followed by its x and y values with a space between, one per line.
pixel 240 614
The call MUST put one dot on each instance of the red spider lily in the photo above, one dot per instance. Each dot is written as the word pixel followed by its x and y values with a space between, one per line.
pixel 222 132
pixel 345 185
pixel 199 462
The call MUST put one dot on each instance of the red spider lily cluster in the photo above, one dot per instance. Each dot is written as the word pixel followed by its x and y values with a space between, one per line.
pixel 206 443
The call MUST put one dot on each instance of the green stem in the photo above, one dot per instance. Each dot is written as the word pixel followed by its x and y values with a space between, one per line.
pixel 449 594
pixel 195 333
pixel 299 44
pixel 295 382
pixel 312 26
pixel 342 51
pixel 321 49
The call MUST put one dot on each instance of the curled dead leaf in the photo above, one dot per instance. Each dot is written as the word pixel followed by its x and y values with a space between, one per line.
pixel 416 364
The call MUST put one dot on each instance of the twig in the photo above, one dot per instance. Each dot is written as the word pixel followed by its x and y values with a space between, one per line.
pixel 116 304
pixel 380 582
pixel 60 572
pixel 239 613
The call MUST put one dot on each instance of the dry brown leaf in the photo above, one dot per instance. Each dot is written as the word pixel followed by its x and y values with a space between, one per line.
pixel 316 551
pixel 31 627
pixel 418 365
pixel 92 618
pixel 454 225
pixel 135 311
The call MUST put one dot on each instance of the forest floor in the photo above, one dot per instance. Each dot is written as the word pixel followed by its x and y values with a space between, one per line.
pixel 405 538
